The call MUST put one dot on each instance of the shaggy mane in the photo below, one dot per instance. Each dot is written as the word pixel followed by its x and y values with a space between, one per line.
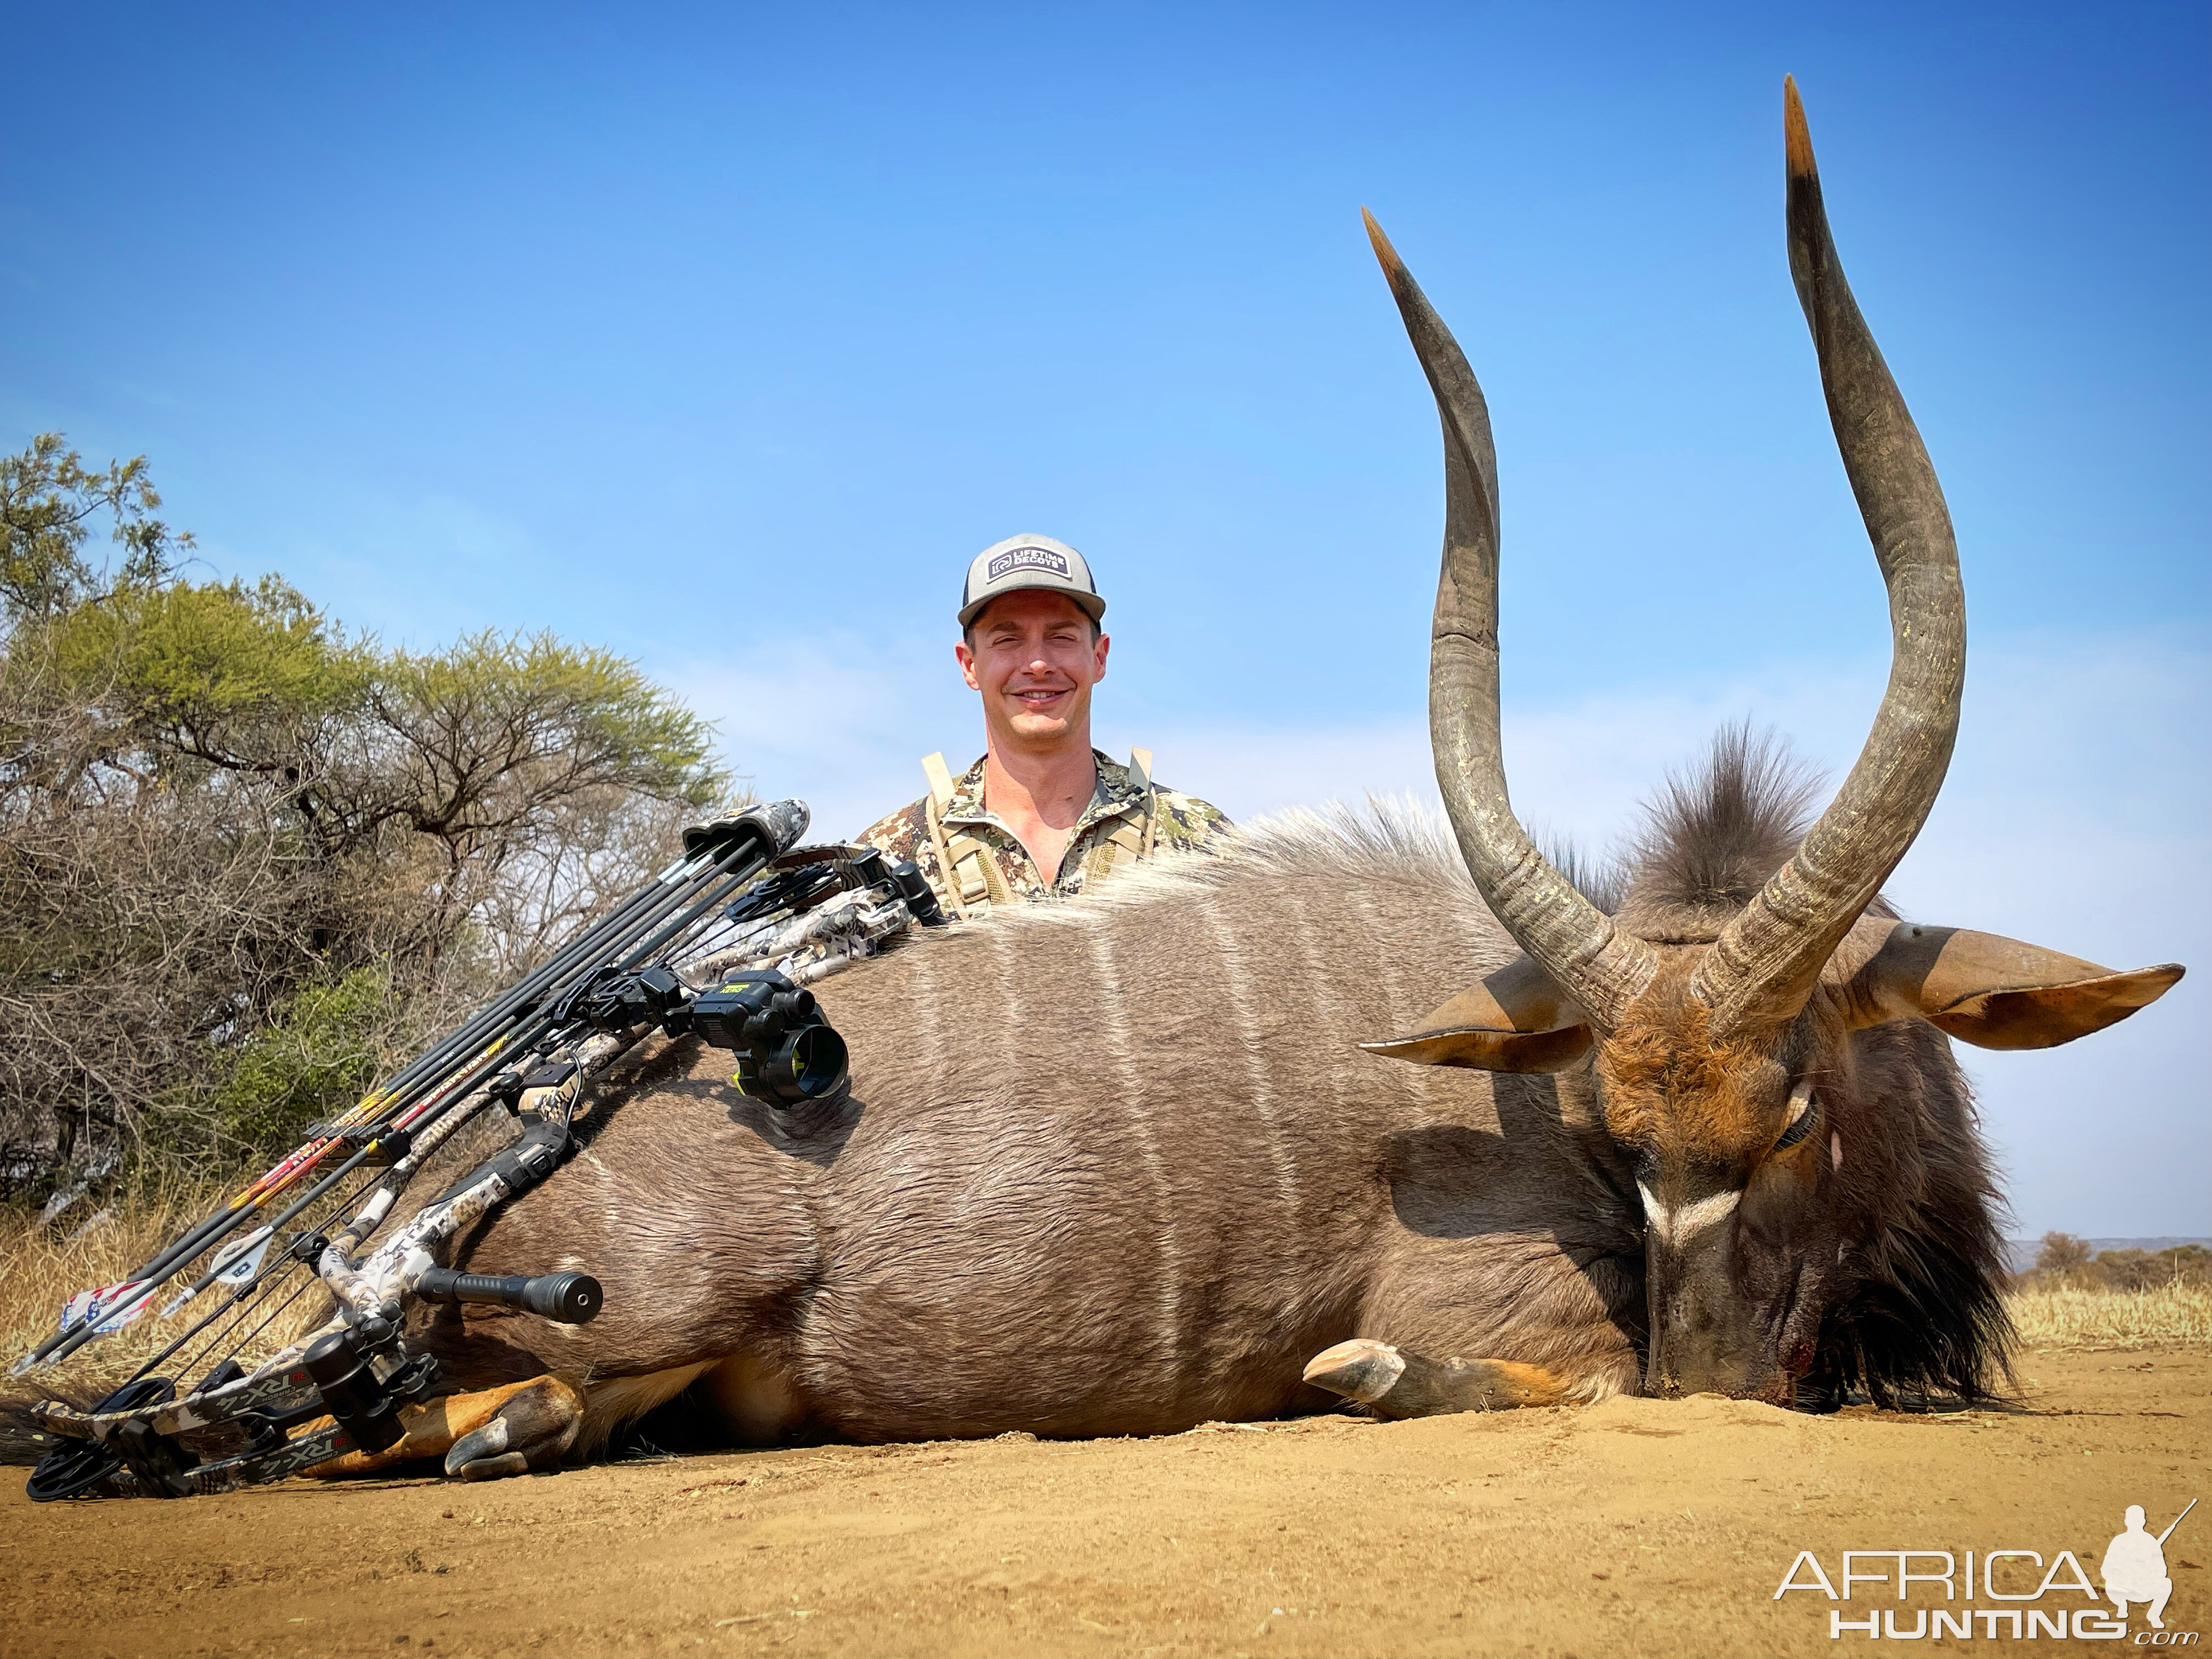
pixel 1927 1320
pixel 1713 834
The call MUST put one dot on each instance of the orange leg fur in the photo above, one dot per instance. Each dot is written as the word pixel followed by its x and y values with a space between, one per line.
pixel 505 1430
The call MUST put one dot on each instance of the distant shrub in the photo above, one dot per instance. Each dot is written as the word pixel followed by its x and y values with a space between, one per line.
pixel 2062 1253
pixel 2065 1262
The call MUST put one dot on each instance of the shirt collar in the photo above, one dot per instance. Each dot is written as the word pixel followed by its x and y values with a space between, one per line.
pixel 1113 794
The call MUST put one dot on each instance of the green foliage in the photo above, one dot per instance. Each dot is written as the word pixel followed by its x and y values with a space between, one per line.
pixel 2145 1270
pixel 316 1055
pixel 182 658
pixel 47 499
pixel 493 715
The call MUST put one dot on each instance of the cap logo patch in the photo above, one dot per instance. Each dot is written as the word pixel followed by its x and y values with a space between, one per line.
pixel 1026 558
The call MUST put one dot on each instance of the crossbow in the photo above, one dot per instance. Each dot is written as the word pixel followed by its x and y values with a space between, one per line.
pixel 722 943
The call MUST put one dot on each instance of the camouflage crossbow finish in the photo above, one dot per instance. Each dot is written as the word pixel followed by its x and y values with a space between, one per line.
pixel 722 943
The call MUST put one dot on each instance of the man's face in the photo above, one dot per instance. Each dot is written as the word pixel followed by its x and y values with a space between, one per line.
pixel 1032 656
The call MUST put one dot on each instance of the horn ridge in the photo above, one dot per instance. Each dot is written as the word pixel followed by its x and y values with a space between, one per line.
pixel 1601 968
pixel 1757 973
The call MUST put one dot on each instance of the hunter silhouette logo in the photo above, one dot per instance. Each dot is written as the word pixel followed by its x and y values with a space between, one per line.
pixel 2028 1607
pixel 2135 1567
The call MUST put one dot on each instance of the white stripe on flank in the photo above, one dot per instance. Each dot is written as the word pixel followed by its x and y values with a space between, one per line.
pixel 1114 1019
pixel 1320 990
pixel 1238 985
pixel 922 1009
pixel 1013 1006
pixel 1675 1226
pixel 1418 1081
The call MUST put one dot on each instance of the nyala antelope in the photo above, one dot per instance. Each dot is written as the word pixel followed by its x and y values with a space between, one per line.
pixel 1188 1149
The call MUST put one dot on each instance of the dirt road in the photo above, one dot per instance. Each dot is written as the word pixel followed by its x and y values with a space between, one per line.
pixel 1634 1527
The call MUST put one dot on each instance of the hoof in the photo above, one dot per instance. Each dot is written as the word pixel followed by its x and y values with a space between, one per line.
pixel 1357 1369
pixel 532 1428
pixel 1399 1383
pixel 490 1468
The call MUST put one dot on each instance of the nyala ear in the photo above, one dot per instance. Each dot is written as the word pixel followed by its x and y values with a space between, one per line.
pixel 1517 1020
pixel 1993 992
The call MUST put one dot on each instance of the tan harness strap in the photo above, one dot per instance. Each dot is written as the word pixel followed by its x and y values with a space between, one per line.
pixel 1133 840
pixel 994 878
pixel 940 779
pixel 1148 827
pixel 953 884
pixel 1101 858
pixel 970 873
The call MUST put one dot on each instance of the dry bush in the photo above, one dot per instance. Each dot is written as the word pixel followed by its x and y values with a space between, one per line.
pixel 2059 1316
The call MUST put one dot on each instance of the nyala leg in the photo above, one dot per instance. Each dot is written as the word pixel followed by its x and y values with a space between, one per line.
pixel 505 1430
pixel 532 1428
pixel 1399 1383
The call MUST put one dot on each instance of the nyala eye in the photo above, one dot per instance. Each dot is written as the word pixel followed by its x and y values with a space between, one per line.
pixel 1806 1106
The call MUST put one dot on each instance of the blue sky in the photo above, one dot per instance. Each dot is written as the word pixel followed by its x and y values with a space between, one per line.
pixel 725 336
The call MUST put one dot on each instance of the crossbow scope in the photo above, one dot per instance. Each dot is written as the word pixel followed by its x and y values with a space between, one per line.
pixel 786 1052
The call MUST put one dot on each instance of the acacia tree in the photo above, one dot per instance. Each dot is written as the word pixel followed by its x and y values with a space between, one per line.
pixel 2061 1253
pixel 247 857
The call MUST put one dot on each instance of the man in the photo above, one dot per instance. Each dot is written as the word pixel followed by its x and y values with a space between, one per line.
pixel 2135 1568
pixel 1042 814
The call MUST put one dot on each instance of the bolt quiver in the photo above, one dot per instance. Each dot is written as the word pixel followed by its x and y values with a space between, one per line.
pixel 721 944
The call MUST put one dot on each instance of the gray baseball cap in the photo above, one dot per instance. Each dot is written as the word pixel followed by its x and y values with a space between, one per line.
pixel 1021 561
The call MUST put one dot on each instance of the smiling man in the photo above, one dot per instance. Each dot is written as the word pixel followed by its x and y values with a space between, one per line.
pixel 1043 813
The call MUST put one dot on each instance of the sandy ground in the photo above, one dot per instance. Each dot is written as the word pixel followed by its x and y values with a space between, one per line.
pixel 1635 1527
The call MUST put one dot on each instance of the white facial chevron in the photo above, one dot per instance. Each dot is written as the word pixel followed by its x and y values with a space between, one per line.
pixel 1678 1225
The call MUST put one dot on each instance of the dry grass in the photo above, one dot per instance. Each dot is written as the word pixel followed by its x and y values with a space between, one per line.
pixel 2074 1316
pixel 41 1267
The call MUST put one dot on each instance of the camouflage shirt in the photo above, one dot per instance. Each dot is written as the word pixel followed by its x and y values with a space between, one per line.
pixel 1128 818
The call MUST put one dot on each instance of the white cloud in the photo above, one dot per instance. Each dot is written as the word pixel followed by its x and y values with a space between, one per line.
pixel 2075 816
pixel 839 723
